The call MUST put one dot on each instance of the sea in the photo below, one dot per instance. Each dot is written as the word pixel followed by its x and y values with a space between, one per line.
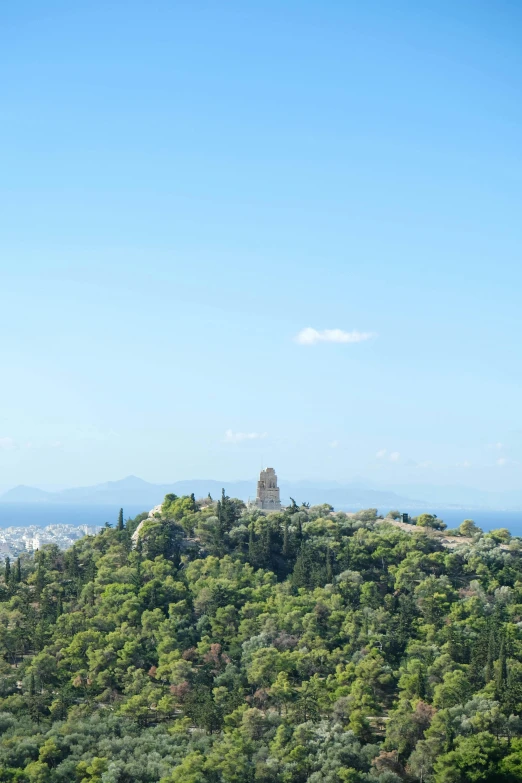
pixel 43 514
pixel 487 520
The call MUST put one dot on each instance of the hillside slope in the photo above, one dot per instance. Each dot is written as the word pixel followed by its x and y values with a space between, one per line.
pixel 225 646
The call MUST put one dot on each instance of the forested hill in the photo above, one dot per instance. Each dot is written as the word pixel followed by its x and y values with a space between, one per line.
pixel 230 647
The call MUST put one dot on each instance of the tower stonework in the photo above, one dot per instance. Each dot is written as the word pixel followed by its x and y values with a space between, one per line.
pixel 268 491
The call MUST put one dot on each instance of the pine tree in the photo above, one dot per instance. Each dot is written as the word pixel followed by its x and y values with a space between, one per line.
pixel 306 707
pixel 18 573
pixel 121 526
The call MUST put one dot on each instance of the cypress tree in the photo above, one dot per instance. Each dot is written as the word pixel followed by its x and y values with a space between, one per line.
pixel 34 712
pixel 152 596
pixel 226 514
pixel 286 540
pixel 120 520
pixel 18 574
pixel 490 657
pixel 251 544
pixel 299 534
pixel 138 579
pixel 7 575
pixel 420 684
pixel 478 660
pixel 303 568
pixel 89 570
pixel 40 579
pixel 264 548
pixel 501 673
pixel 329 569
pixel 513 692
pixel 72 566
pixel 448 731
pixel 221 514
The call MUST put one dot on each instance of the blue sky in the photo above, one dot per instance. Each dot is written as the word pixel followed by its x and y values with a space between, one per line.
pixel 187 186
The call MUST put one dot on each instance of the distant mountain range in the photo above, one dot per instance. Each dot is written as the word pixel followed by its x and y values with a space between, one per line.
pixel 136 491
pixel 456 496
pixel 360 493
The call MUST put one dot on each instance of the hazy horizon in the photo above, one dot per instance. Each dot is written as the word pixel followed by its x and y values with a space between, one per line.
pixel 356 479
pixel 358 493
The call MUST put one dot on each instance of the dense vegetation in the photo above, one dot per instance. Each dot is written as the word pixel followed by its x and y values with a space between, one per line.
pixel 230 646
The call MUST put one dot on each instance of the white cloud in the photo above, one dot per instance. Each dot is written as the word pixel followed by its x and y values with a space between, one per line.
pixel 310 336
pixel 464 464
pixel 334 444
pixel 7 443
pixel 502 461
pixel 496 446
pixel 237 437
pixel 393 456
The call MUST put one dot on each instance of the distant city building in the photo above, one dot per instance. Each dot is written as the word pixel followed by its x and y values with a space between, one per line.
pixel 16 540
pixel 268 491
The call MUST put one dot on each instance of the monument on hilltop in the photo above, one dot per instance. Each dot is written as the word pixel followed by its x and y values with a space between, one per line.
pixel 268 491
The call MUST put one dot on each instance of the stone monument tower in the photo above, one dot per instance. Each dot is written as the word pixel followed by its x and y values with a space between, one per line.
pixel 268 491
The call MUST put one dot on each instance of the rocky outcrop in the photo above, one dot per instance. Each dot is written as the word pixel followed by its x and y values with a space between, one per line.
pixel 153 514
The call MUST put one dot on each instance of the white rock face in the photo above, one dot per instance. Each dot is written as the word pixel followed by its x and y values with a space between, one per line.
pixel 152 514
